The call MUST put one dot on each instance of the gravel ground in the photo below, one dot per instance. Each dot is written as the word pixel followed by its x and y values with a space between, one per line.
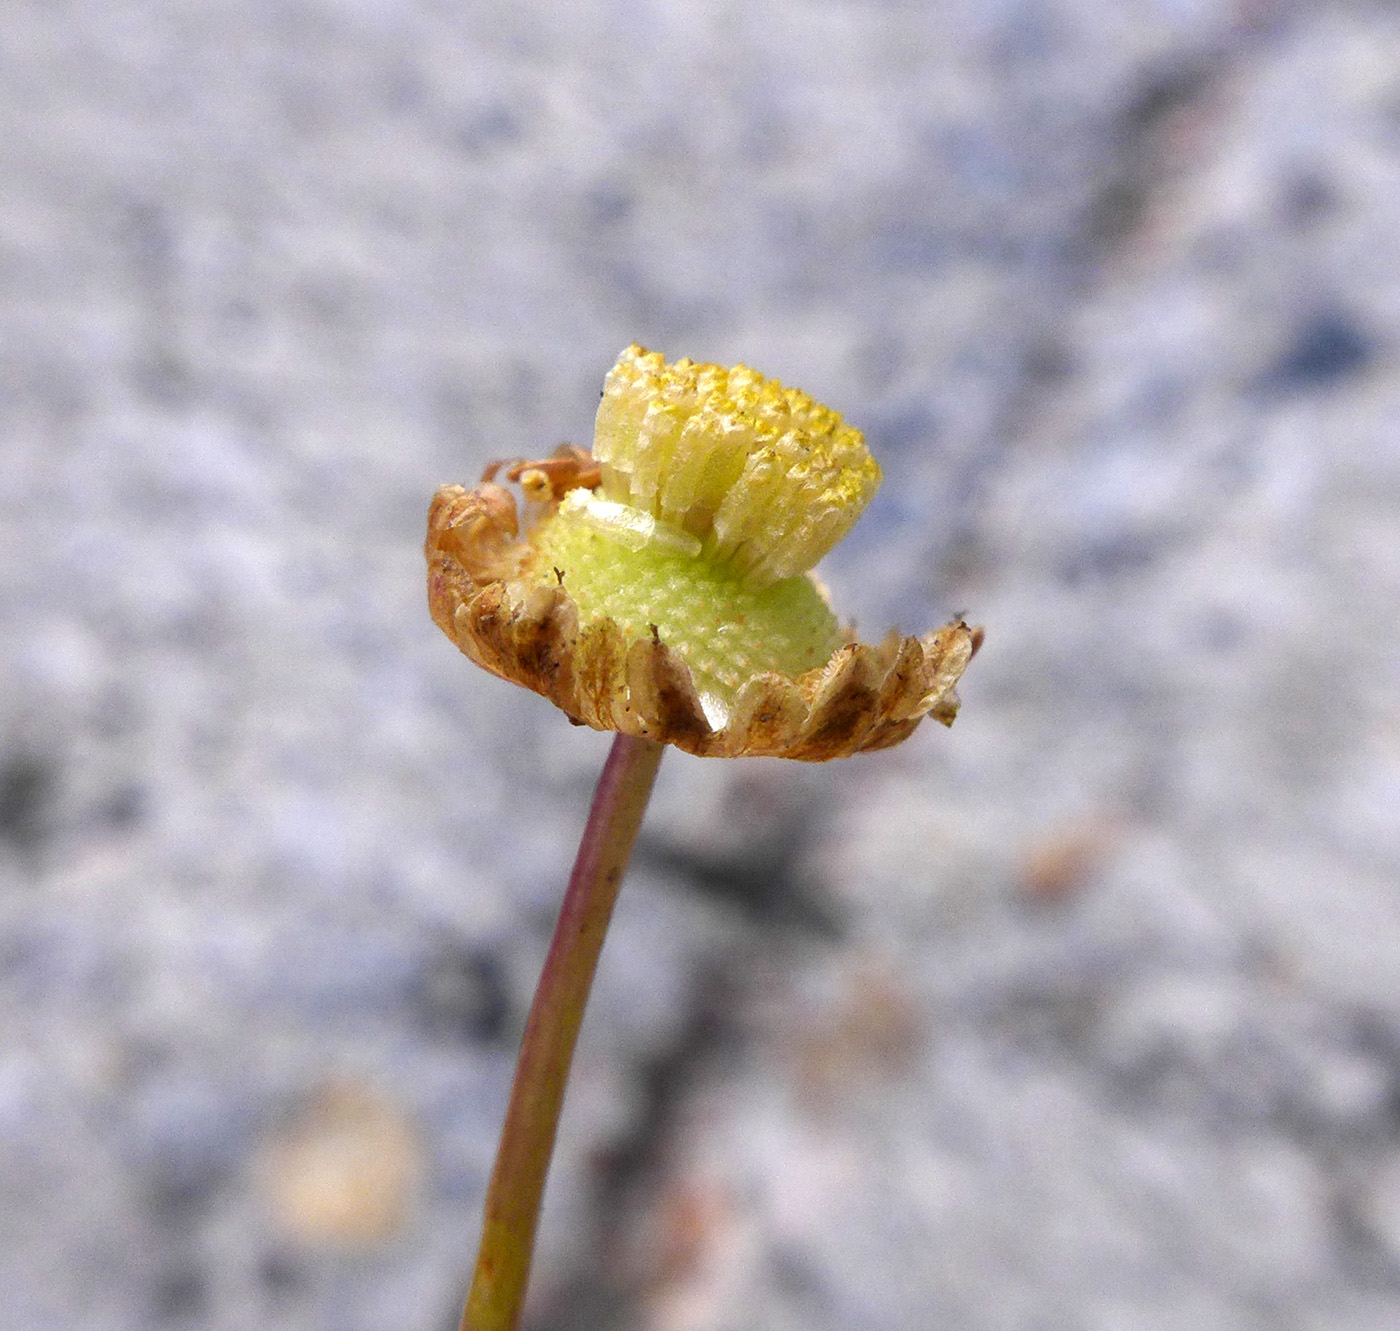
pixel 1083 1015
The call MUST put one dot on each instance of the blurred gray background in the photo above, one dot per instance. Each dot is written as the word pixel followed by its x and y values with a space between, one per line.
pixel 1083 1016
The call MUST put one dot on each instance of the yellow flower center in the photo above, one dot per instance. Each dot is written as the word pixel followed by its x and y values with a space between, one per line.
pixel 762 476
pixel 719 490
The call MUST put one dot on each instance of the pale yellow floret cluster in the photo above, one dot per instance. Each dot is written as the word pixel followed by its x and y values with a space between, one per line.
pixel 761 476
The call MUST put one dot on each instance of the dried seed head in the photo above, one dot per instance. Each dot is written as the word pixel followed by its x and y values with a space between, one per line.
pixel 663 590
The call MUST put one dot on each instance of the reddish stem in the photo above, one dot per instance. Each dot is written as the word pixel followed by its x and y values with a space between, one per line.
pixel 527 1139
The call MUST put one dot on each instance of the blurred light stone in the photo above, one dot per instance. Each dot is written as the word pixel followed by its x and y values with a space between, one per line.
pixel 346 1172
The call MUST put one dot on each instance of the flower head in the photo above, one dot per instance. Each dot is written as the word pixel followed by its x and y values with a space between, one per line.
pixel 661 586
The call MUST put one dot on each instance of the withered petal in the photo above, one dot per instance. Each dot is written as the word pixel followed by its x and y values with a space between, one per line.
pixel 844 705
pixel 769 710
pixel 865 697
pixel 663 696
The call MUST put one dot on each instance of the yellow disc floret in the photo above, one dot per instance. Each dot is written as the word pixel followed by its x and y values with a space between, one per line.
pixel 765 478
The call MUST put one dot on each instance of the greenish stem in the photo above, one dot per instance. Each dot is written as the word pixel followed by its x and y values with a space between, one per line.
pixel 532 1118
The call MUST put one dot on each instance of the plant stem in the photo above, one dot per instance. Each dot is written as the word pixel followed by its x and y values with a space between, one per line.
pixel 527 1139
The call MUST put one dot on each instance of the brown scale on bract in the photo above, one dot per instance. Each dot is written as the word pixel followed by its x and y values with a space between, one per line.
pixel 865 697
